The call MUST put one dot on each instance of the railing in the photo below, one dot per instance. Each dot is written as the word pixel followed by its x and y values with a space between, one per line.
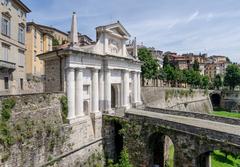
pixel 7 65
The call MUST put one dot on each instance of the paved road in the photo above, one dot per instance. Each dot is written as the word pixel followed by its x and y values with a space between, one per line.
pixel 206 124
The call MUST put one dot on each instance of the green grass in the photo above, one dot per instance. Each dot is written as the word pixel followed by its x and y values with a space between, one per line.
pixel 226 114
pixel 171 156
pixel 170 161
pixel 219 160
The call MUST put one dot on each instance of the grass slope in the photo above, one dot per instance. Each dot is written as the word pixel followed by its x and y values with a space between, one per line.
pixel 226 114
pixel 219 160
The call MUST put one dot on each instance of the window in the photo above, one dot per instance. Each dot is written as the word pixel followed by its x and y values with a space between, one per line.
pixel 21 34
pixel 6 83
pixel 21 58
pixel 49 44
pixel 21 83
pixel 41 43
pixel 5 50
pixel 35 56
pixel 5 26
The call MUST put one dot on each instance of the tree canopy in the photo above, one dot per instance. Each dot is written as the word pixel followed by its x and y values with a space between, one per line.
pixel 150 65
pixel 217 82
pixel 232 77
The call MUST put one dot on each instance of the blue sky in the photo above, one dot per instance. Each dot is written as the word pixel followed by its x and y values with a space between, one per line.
pixel 211 26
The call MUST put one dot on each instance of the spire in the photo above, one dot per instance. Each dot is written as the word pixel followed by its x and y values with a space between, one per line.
pixel 135 49
pixel 74 30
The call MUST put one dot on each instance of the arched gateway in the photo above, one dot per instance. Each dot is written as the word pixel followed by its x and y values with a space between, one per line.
pixel 106 67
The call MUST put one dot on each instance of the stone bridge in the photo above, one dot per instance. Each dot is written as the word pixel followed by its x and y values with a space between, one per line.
pixel 194 136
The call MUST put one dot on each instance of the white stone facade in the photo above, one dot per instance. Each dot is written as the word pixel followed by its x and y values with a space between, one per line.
pixel 96 78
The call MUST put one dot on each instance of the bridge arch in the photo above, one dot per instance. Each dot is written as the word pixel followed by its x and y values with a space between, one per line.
pixel 219 154
pixel 161 150
pixel 215 99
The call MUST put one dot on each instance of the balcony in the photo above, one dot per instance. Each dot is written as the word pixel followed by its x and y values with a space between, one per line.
pixel 7 65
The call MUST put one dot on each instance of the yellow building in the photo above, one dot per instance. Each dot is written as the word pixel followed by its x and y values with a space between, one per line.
pixel 12 46
pixel 57 34
pixel 38 41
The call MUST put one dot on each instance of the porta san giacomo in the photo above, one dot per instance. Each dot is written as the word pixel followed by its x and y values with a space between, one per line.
pixel 98 78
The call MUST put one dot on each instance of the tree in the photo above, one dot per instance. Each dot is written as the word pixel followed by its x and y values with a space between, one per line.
pixel 196 65
pixel 204 82
pixel 217 82
pixel 165 61
pixel 150 65
pixel 170 73
pixel 55 42
pixel 123 162
pixel 232 77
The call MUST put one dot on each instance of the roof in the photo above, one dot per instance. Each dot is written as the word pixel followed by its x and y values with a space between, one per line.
pixel 117 24
pixel 22 5
pixel 50 28
pixel 39 28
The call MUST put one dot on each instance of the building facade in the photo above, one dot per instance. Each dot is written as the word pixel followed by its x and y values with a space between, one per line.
pixel 38 41
pixel 57 34
pixel 97 77
pixel 12 46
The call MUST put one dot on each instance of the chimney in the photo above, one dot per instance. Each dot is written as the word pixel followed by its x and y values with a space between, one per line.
pixel 74 31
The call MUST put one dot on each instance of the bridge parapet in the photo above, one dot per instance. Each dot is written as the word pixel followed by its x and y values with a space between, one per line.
pixel 232 121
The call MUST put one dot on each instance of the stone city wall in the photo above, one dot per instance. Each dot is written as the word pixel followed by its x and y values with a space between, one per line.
pixel 230 100
pixel 177 99
pixel 35 132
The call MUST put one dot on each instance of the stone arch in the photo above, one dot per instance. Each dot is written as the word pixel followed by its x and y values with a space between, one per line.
pixel 118 140
pixel 218 153
pixel 86 107
pixel 161 149
pixel 204 160
pixel 216 100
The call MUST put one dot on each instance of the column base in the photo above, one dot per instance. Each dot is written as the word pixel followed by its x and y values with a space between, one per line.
pixel 97 123
pixel 109 111
pixel 78 119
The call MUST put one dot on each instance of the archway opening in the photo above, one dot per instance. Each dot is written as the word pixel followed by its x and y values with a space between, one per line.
pixel 216 100
pixel 218 158
pixel 114 96
pixel 162 150
pixel 86 107
pixel 118 140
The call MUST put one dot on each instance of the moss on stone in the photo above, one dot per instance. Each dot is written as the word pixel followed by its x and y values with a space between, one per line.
pixel 64 112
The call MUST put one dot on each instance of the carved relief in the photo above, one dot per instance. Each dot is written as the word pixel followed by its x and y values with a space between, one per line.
pixel 113 45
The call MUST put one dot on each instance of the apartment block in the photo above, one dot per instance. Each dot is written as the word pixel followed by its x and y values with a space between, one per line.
pixel 12 46
pixel 38 41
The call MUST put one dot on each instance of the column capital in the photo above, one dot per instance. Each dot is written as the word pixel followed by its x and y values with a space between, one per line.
pixel 106 69
pixel 79 68
pixel 95 69
pixel 69 68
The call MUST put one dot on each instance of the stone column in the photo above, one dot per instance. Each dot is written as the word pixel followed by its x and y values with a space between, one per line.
pixel 101 90
pixel 135 87
pixel 139 88
pixel 95 98
pixel 79 92
pixel 107 90
pixel 126 88
pixel 71 93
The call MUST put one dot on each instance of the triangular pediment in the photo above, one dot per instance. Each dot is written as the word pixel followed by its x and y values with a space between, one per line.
pixel 116 28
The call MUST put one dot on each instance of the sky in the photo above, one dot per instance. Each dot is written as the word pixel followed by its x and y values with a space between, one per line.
pixel 182 26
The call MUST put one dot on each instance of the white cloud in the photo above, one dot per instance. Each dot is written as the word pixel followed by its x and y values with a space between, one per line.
pixel 193 16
